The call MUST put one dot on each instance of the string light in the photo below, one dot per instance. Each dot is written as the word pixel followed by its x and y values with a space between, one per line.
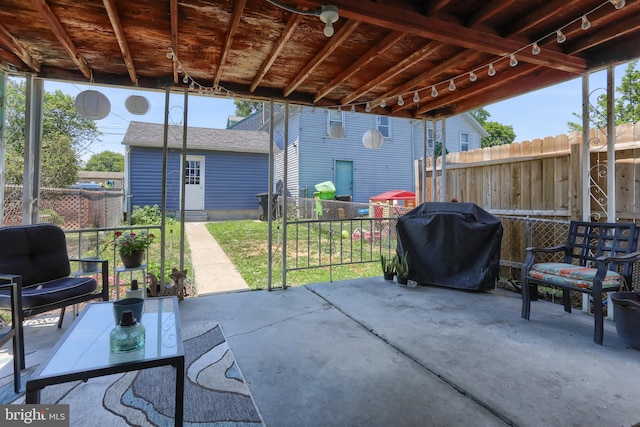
pixel 535 49
pixel 367 108
pixel 193 84
pixel 353 108
pixel 585 24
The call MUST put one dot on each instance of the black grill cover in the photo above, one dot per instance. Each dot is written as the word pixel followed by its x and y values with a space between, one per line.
pixel 451 244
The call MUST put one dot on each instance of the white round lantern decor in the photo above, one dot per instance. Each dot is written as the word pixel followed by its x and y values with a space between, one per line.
pixel 372 139
pixel 93 105
pixel 137 105
pixel 336 132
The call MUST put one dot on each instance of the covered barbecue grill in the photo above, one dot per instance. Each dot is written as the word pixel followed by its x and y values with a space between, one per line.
pixel 451 244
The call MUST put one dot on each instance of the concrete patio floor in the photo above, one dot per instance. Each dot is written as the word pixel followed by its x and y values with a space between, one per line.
pixel 368 353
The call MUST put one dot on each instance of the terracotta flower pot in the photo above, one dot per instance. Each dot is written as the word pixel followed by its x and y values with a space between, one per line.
pixel 133 260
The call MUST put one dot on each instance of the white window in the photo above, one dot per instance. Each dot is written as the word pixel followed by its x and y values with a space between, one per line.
pixel 336 118
pixel 430 139
pixel 383 124
pixel 464 142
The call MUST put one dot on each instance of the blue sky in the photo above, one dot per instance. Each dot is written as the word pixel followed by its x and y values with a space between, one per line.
pixel 534 115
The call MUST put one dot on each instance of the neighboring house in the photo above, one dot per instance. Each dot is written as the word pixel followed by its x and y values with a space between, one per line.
pixel 103 178
pixel 314 156
pixel 225 169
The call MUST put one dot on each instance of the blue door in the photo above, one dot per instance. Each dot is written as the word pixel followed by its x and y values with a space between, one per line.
pixel 344 178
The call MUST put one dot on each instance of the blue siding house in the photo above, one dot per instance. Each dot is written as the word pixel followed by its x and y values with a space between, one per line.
pixel 315 154
pixel 225 169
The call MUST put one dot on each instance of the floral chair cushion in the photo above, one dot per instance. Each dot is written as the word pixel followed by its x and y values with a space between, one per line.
pixel 573 275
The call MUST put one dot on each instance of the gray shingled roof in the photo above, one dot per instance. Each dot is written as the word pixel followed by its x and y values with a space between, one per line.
pixel 142 134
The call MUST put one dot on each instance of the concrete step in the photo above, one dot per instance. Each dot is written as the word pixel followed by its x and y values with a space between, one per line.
pixel 195 216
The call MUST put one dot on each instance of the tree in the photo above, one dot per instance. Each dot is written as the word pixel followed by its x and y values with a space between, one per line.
pixel 627 103
pixel 246 108
pixel 65 135
pixel 106 161
pixel 499 134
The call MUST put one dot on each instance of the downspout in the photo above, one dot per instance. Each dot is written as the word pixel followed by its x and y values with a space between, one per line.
pixel 285 177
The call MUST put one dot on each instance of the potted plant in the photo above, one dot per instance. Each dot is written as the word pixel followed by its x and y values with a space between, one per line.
pixel 402 269
pixel 388 267
pixel 131 247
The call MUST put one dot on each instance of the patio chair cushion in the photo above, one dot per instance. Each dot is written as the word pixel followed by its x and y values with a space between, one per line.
pixel 572 275
pixel 53 291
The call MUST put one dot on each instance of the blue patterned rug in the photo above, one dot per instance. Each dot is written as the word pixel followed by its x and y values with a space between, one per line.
pixel 215 393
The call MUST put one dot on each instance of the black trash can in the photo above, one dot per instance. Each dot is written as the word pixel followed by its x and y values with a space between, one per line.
pixel 626 310
pixel 344 198
pixel 263 200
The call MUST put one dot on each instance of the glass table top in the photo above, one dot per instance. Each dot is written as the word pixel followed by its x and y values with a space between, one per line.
pixel 85 346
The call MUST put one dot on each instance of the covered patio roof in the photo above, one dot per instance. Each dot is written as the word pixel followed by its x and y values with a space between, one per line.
pixel 381 52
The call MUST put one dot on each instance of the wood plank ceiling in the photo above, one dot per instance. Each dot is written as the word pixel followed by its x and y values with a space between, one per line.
pixel 382 54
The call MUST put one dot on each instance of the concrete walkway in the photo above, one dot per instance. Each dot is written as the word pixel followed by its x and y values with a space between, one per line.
pixel 213 270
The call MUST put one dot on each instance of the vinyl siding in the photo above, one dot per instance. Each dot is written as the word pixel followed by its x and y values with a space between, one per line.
pixel 232 180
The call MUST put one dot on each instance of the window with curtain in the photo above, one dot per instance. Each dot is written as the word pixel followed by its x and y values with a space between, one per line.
pixel 335 117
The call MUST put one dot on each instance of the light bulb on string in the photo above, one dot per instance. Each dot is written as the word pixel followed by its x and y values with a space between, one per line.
pixel 560 37
pixel 400 100
pixel 192 85
pixel 353 108
pixel 452 85
pixel 472 76
pixel 585 25
pixel 512 60
pixel 618 4
pixel 416 97
pixel 383 103
pixel 185 80
pixel 367 108
pixel 492 71
pixel 170 55
pixel 535 49
pixel 179 70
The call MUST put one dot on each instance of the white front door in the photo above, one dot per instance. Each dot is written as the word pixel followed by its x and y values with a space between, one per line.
pixel 194 183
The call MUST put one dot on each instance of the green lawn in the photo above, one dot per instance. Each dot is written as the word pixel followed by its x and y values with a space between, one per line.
pixel 246 244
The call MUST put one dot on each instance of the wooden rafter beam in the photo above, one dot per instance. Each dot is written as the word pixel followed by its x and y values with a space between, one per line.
pixel 506 78
pixel 11 59
pixel 373 53
pixel 488 11
pixel 12 43
pixel 394 18
pixel 421 80
pixel 238 8
pixel 62 36
pixel 173 15
pixel 292 24
pixel 333 43
pixel 408 62
pixel 540 15
pixel 112 11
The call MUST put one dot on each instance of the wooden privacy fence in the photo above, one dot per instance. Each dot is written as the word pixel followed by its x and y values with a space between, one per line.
pixel 541 177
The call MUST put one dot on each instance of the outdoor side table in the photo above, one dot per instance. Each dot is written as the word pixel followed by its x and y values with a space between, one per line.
pixel 83 352
pixel 119 270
